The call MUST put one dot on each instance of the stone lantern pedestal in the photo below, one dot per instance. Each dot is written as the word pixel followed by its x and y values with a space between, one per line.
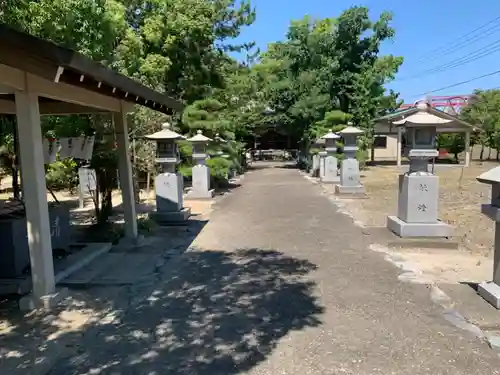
pixel 168 184
pixel 330 174
pixel 350 182
pixel 200 172
pixel 490 290
pixel 419 190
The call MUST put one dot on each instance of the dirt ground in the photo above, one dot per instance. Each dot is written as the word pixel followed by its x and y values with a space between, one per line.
pixel 461 197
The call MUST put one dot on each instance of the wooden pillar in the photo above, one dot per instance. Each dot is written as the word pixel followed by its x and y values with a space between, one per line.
pixel 467 148
pixel 35 197
pixel 398 146
pixel 125 173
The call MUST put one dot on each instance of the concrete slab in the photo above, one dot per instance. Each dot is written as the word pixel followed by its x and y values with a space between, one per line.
pixel 473 307
pixel 171 218
pixel 408 230
pixel 490 292
pixel 80 259
pixel 84 276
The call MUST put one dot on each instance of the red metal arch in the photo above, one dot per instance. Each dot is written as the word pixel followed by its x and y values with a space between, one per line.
pixel 449 102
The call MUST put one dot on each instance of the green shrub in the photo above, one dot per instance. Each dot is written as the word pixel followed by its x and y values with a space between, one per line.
pixel 219 167
pixel 185 170
pixel 62 175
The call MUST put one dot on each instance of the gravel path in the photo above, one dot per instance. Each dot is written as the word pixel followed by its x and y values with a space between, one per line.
pixel 279 283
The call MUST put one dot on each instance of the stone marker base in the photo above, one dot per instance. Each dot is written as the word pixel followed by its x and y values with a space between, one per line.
pixel 330 181
pixel 490 292
pixel 404 229
pixel 173 217
pixel 351 191
pixel 28 302
pixel 196 195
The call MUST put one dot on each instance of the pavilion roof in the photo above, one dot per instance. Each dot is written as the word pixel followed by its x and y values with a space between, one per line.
pixel 57 64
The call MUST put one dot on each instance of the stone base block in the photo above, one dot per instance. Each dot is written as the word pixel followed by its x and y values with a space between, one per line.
pixel 331 180
pixel 173 217
pixel 490 292
pixel 350 190
pixel 197 195
pixel 404 229
pixel 47 302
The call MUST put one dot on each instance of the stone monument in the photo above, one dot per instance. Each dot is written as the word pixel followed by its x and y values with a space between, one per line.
pixel 418 188
pixel 168 184
pixel 490 290
pixel 200 172
pixel 330 175
pixel 350 182
pixel 316 159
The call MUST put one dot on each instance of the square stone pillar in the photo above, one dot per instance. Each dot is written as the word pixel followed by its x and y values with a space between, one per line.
pixel 125 174
pixel 315 165
pixel 322 158
pixel 35 195
pixel 490 290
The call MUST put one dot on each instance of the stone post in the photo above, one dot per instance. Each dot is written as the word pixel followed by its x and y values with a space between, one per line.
pixel 316 160
pixel 490 290
pixel 200 172
pixel 331 163
pixel 350 183
pixel 168 184
pixel 419 189
pixel 322 156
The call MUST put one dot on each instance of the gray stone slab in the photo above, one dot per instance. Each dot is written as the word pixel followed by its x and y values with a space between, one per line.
pixel 169 192
pixel 490 292
pixel 199 195
pixel 349 173
pixel 418 198
pixel 171 217
pixel 351 191
pixel 404 229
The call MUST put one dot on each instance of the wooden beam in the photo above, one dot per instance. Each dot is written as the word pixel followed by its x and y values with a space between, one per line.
pixel 12 78
pixel 55 108
pixel 71 94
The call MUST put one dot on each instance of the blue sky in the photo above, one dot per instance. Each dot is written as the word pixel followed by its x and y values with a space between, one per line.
pixel 420 29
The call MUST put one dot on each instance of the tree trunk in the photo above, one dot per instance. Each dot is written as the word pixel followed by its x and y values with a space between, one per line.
pixel 15 166
pixel 481 154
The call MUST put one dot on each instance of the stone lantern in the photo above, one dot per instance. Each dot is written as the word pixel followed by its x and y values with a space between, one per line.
pixel 200 172
pixel 330 175
pixel 490 290
pixel 350 183
pixel 168 184
pixel 418 188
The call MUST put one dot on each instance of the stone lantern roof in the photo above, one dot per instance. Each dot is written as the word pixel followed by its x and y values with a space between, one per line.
pixel 199 138
pixel 331 135
pixel 351 130
pixel 166 134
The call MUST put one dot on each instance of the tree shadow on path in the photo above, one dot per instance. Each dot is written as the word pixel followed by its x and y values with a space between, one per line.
pixel 212 312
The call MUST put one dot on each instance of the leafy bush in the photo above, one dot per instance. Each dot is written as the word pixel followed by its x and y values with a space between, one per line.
pixel 62 175
pixel 219 167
